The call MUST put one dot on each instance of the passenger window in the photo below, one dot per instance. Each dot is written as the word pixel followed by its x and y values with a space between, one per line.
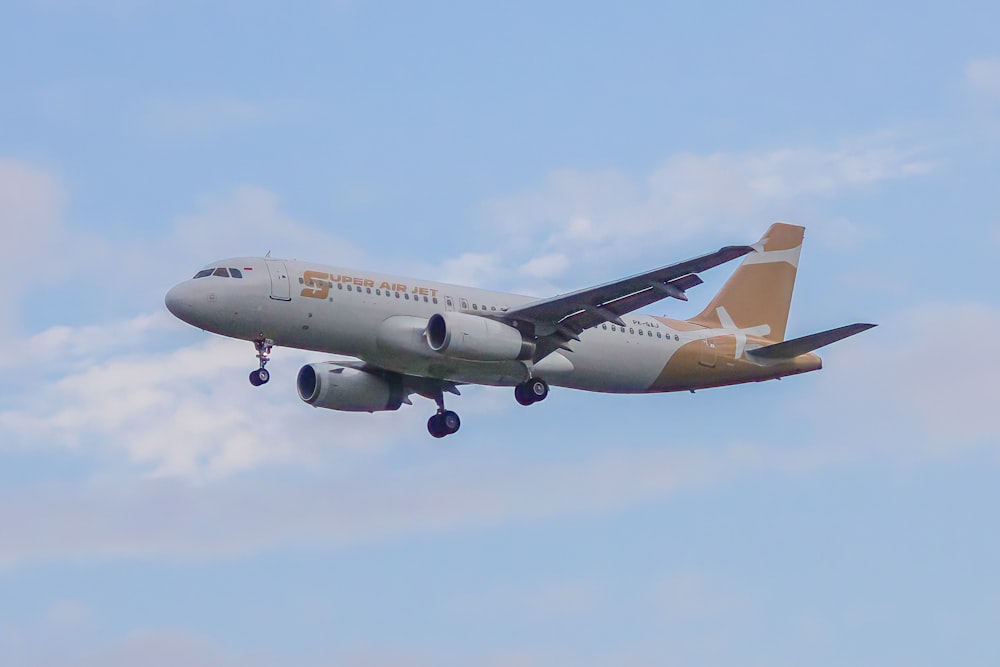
pixel 368 290
pixel 604 326
pixel 640 332
pixel 631 330
pixel 397 294
pixel 406 296
pixel 340 285
pixel 676 337
pixel 222 273
pixel 659 335
pixel 435 299
pixel 350 289
pixel 202 274
pixel 378 292
pixel 425 299
pixel 493 307
pixel 475 307
pixel 235 273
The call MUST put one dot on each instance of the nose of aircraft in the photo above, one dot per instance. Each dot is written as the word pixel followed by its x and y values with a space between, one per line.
pixel 180 300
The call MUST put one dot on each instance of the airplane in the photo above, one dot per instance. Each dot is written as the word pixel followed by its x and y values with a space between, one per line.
pixel 416 337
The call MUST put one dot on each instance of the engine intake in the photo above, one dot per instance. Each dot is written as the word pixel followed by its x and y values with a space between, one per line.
pixel 476 338
pixel 335 387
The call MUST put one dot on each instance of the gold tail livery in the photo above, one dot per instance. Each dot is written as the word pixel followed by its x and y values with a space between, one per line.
pixel 416 337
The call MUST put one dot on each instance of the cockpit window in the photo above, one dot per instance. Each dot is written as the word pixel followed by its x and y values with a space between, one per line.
pixel 235 273
pixel 222 272
pixel 202 273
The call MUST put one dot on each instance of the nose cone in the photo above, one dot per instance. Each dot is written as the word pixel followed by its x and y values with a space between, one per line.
pixel 180 301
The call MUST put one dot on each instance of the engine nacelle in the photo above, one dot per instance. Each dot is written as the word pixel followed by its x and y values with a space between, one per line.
pixel 476 338
pixel 329 385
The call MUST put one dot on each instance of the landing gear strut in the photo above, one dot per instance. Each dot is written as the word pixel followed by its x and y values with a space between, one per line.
pixel 263 347
pixel 445 422
pixel 531 391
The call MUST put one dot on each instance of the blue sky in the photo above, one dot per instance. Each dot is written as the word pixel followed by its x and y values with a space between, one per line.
pixel 155 509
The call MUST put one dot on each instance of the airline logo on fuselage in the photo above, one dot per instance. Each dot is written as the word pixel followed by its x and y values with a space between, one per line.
pixel 318 284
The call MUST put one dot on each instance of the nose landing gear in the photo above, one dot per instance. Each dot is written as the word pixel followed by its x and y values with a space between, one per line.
pixel 531 391
pixel 263 347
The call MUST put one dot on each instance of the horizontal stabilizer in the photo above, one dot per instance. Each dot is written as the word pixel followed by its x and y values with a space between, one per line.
pixel 793 348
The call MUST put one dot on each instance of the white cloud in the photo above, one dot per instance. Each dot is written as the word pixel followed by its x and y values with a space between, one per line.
pixel 543 601
pixel 355 505
pixel 594 217
pixel 68 614
pixel 983 76
pixel 173 118
pixel 165 647
pixel 250 219
pixel 40 248
pixel 152 648
pixel 31 203
pixel 925 380
pixel 473 269
pixel 246 220
pixel 686 595
pixel 545 266
pixel 692 193
pixel 181 411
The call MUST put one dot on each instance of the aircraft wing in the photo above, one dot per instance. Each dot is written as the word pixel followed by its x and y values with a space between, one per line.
pixel 562 318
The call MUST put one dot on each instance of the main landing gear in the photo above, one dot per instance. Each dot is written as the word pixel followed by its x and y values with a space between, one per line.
pixel 531 391
pixel 445 422
pixel 263 347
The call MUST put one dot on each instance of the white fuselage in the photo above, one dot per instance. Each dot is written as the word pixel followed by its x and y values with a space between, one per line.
pixel 380 319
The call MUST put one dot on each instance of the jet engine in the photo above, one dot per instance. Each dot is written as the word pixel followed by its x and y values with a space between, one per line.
pixel 330 385
pixel 476 338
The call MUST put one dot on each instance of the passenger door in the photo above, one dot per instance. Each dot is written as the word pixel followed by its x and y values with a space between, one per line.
pixel 280 285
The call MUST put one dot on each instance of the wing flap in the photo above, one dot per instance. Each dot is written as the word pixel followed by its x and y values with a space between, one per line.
pixel 591 316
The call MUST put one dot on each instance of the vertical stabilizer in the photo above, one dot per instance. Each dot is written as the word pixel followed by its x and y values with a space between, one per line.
pixel 760 291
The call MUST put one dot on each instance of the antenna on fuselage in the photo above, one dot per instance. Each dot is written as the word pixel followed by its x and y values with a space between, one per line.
pixel 268 255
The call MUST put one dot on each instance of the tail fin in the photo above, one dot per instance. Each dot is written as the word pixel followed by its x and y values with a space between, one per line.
pixel 760 291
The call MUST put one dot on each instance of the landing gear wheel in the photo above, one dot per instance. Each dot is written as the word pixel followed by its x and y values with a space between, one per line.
pixel 531 391
pixel 435 427
pixel 443 423
pixel 259 377
pixel 450 422
pixel 538 389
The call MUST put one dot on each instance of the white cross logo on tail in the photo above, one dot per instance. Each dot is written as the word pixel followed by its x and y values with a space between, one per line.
pixel 741 334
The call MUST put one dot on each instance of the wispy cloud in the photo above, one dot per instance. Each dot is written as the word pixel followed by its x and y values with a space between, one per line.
pixel 252 219
pixel 182 411
pixel 200 117
pixel 244 515
pixel 690 194
pixel 983 76
pixel 40 248
pixel 601 216
pixel 922 373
